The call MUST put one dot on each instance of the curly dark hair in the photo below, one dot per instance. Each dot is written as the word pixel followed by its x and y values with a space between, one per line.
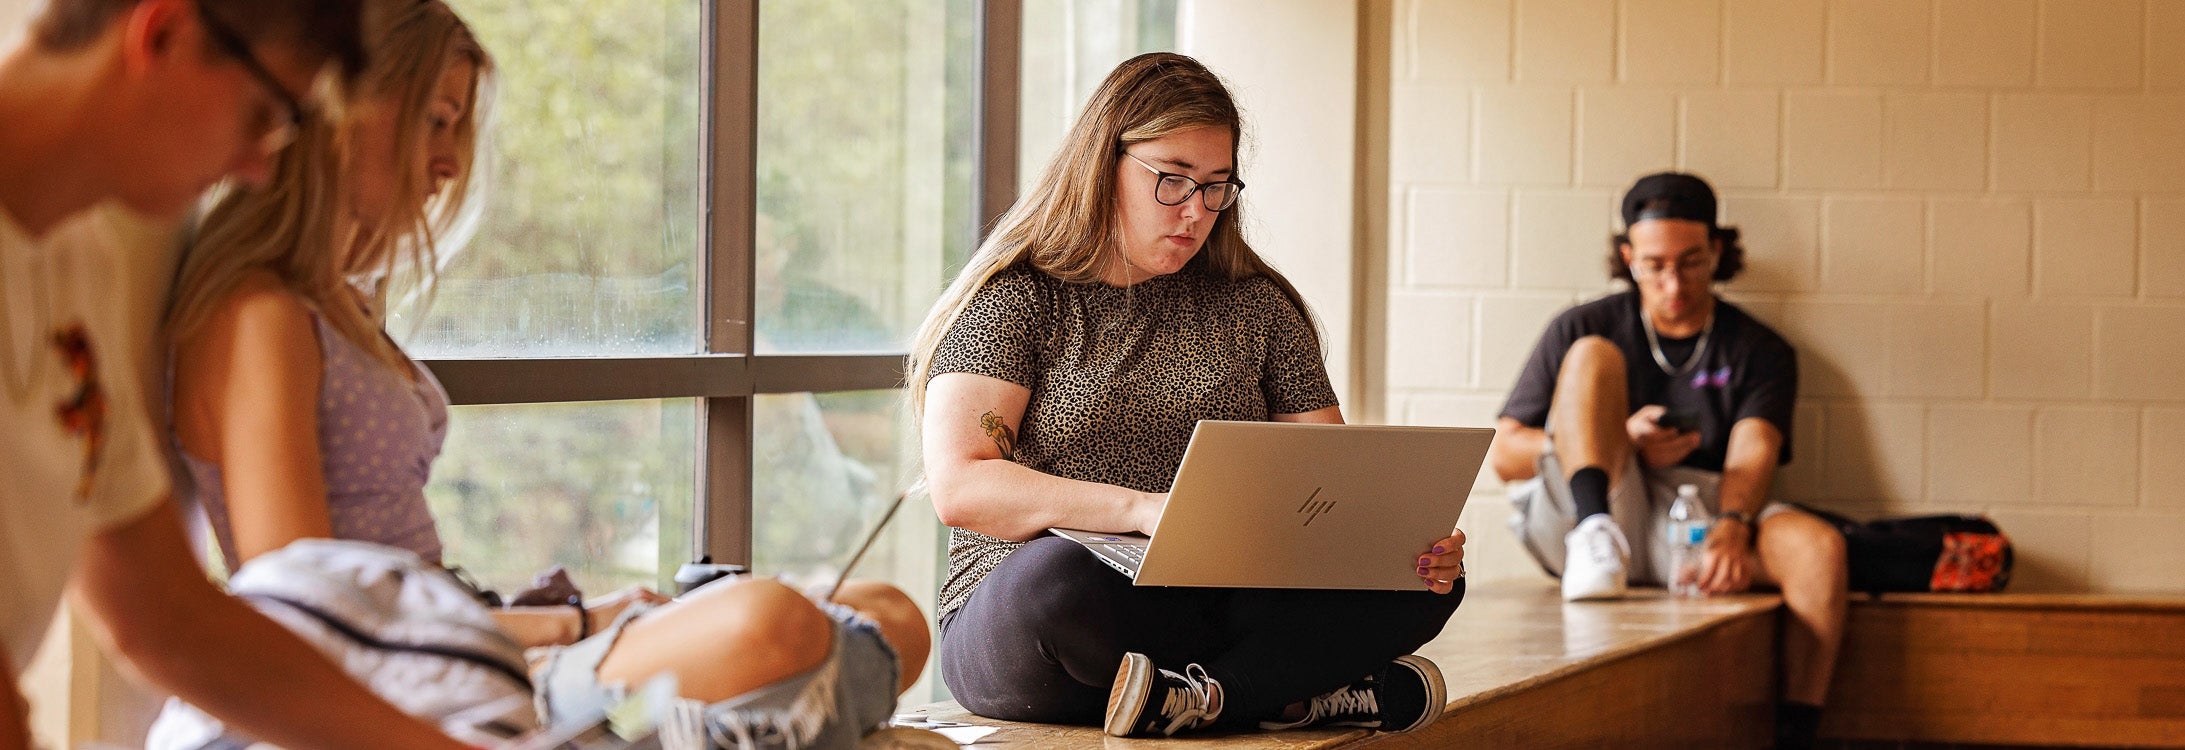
pixel 1726 267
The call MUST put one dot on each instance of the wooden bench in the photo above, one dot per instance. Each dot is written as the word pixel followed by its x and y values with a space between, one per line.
pixel 2016 669
pixel 1525 670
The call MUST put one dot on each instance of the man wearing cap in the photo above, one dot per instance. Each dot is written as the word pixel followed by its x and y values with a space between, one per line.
pixel 1629 396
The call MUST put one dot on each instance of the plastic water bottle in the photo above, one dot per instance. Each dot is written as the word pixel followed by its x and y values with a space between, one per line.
pixel 1689 522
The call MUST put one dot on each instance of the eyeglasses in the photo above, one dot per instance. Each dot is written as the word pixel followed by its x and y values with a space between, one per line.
pixel 1174 189
pixel 280 127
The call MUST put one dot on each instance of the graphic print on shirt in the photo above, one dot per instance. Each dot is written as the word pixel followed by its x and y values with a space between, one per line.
pixel 1716 378
pixel 83 412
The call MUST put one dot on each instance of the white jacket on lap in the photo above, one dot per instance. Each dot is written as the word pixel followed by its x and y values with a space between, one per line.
pixel 403 627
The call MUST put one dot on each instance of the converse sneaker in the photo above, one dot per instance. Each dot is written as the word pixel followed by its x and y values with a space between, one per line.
pixel 1596 560
pixel 1404 696
pixel 1146 700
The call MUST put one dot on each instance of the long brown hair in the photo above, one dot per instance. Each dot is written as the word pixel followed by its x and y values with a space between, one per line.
pixel 1064 225
pixel 298 225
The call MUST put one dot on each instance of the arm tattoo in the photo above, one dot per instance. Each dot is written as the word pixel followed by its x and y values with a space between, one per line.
pixel 1003 438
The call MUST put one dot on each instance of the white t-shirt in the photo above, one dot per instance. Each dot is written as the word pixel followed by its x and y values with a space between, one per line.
pixel 77 447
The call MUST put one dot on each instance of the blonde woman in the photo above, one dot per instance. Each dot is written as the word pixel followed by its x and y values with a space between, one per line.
pixel 1058 380
pixel 298 417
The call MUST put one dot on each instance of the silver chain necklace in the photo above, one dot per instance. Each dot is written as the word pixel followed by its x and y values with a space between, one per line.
pixel 1654 345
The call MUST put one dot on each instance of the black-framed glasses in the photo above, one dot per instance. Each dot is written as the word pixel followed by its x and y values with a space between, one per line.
pixel 1173 189
pixel 280 127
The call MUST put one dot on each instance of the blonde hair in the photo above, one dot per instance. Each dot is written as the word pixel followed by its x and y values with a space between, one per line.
pixel 1064 225
pixel 298 225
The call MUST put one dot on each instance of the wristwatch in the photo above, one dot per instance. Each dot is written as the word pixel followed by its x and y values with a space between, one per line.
pixel 1740 517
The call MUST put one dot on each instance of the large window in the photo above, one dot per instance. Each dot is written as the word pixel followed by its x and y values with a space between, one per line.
pixel 864 159
pixel 603 489
pixel 589 246
pixel 1069 47
pixel 591 234
pixel 711 227
pixel 863 196
pixel 826 468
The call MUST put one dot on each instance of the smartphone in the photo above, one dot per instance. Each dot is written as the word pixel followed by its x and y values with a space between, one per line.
pixel 696 574
pixel 1681 420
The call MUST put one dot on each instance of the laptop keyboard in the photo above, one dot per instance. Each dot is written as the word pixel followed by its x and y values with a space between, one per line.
pixel 1136 554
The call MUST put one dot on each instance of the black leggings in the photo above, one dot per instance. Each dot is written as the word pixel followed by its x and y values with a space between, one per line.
pixel 1042 636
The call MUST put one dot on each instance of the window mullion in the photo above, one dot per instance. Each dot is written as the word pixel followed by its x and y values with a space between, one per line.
pixel 553 380
pixel 825 373
pixel 730 149
pixel 558 380
pixel 1001 31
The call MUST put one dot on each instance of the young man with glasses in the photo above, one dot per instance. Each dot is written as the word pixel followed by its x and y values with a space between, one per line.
pixel 119 114
pixel 1629 396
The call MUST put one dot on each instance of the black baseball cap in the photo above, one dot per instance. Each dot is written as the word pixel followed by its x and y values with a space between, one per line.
pixel 1670 195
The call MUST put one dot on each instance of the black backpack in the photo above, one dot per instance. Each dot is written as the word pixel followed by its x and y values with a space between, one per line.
pixel 1924 553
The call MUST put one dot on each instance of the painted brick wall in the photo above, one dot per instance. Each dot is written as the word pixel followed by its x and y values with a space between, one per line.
pixel 1969 216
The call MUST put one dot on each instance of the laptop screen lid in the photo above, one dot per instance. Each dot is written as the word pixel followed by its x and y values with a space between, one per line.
pixel 1285 505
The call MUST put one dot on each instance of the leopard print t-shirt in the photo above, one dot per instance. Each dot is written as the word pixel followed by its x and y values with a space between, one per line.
pixel 1120 377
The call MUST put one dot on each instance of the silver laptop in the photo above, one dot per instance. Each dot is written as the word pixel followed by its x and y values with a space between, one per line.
pixel 1280 505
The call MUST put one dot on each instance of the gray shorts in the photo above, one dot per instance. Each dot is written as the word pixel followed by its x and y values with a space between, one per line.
pixel 1543 512
pixel 850 693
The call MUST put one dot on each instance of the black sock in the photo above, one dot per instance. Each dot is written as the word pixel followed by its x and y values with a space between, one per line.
pixel 1589 491
pixel 1796 724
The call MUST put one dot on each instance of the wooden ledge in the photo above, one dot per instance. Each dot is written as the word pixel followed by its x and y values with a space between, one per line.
pixel 1513 636
pixel 1527 670
pixel 1514 648
pixel 2132 602
pixel 2012 669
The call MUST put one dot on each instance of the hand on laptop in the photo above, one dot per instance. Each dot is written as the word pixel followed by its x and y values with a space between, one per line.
pixel 1146 513
pixel 1443 563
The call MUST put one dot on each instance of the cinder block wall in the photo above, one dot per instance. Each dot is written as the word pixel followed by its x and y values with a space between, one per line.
pixel 1969 216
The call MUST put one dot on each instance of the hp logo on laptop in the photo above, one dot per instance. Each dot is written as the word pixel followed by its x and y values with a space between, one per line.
pixel 1314 506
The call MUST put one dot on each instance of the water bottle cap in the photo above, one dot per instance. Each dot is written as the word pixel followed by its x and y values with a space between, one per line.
pixel 1687 490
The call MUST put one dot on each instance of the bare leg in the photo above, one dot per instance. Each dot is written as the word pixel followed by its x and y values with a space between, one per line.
pixel 729 639
pixel 901 623
pixel 724 640
pixel 1804 556
pixel 1590 406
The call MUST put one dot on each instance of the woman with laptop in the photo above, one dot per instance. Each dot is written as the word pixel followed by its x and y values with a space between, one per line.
pixel 298 417
pixel 1058 381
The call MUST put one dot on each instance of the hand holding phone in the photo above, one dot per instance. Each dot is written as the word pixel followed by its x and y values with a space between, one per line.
pixel 1681 420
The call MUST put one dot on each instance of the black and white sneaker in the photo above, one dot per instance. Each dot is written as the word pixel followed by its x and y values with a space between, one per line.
pixel 1404 696
pixel 1146 700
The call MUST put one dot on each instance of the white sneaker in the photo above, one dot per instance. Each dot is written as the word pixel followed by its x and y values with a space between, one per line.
pixel 1596 560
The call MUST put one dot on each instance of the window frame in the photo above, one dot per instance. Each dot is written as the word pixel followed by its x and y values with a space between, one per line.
pixel 728 374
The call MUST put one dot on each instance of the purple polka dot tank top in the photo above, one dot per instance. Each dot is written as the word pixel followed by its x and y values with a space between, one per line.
pixel 378 435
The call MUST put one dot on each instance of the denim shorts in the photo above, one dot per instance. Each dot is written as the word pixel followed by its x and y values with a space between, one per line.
pixel 832 705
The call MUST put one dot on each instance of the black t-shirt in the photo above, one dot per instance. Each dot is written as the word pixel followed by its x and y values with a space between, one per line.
pixel 1746 371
